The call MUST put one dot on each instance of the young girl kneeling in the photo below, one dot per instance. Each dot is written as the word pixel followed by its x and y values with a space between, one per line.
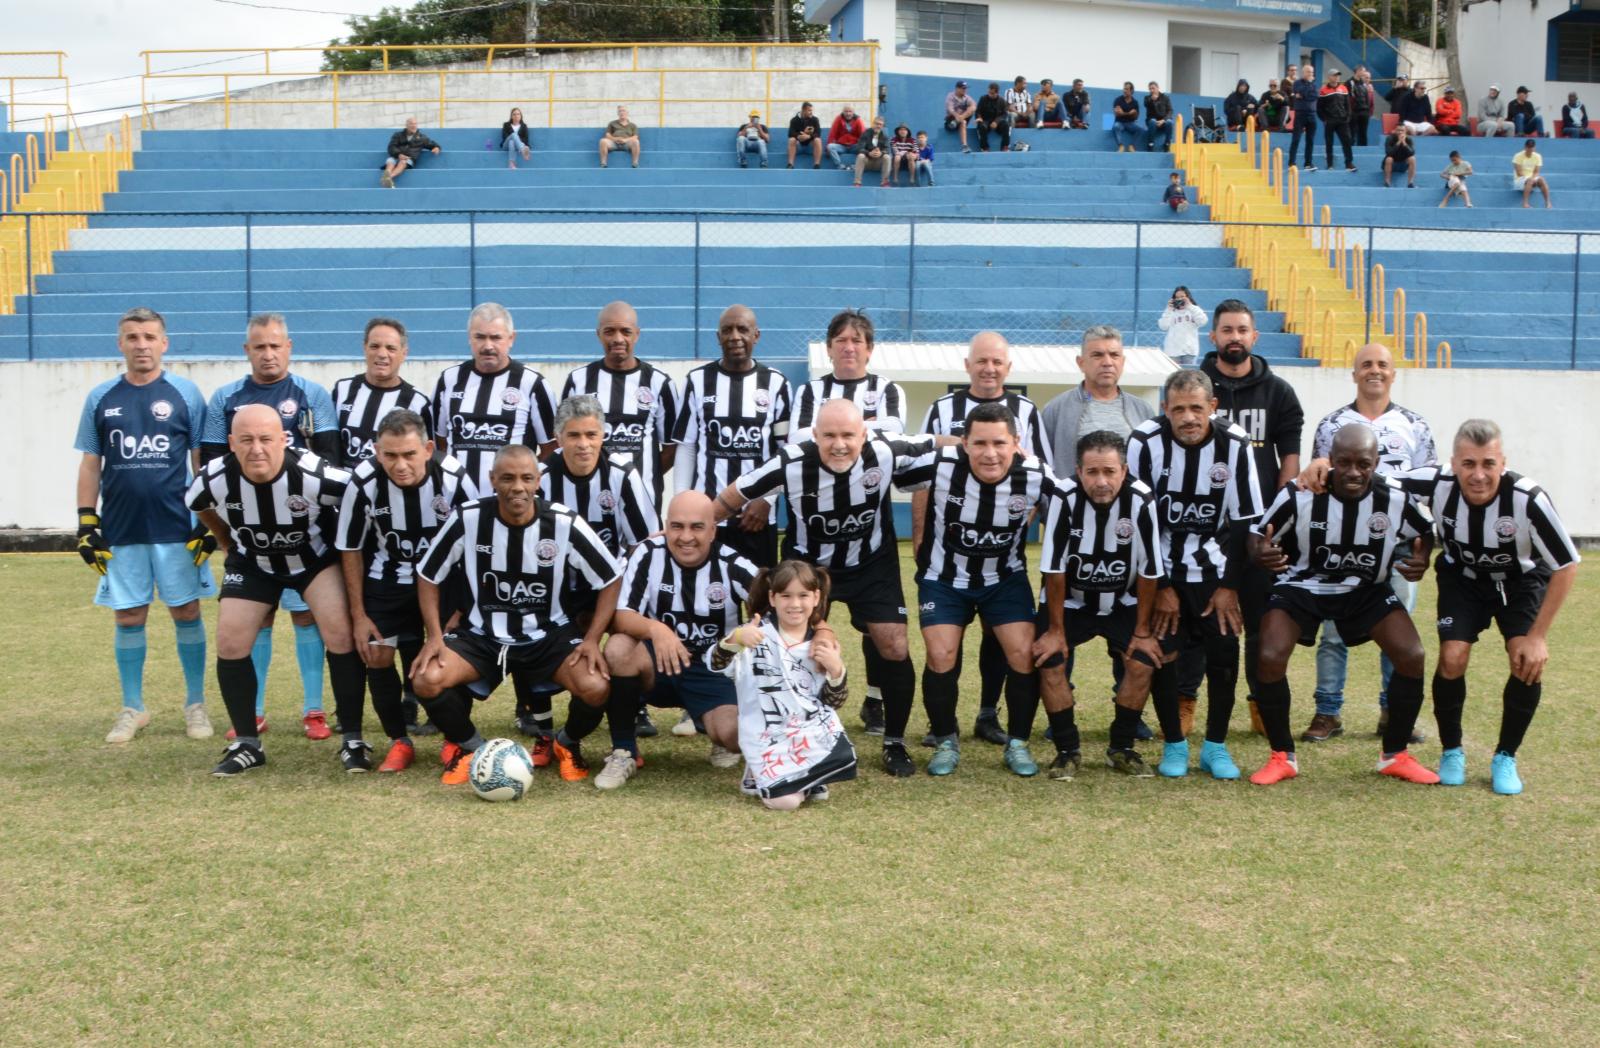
pixel 790 680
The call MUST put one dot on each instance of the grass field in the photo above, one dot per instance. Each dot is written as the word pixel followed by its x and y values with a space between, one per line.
pixel 145 902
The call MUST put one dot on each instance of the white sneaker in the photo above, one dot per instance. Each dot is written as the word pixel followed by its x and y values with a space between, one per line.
pixel 127 724
pixel 619 769
pixel 817 793
pixel 685 726
pixel 195 722
pixel 721 757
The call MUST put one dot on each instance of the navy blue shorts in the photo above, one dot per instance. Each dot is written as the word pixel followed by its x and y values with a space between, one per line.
pixel 1468 606
pixel 697 690
pixel 1009 600
pixel 1353 614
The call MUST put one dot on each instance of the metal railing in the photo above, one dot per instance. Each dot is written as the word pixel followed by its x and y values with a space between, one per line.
pixel 478 84
pixel 26 75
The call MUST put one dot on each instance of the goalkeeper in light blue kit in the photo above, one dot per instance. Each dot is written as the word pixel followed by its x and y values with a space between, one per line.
pixel 140 436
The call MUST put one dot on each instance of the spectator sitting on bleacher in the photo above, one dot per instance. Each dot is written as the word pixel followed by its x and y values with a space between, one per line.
pixel 1397 152
pixel 514 138
pixel 405 146
pixel 1175 197
pixel 1048 110
pixel 902 154
pixel 872 152
pixel 1524 117
pixel 1125 119
pixel 924 159
pixel 1526 167
pixel 1363 100
pixel 1574 119
pixel 1274 107
pixel 1019 102
pixel 752 137
pixel 993 117
pixel 1158 119
pixel 1448 117
pixel 805 131
pixel 844 135
pixel 1397 94
pixel 1492 119
pixel 621 133
pixel 1078 105
pixel 958 109
pixel 1416 112
pixel 1455 179
pixel 1239 106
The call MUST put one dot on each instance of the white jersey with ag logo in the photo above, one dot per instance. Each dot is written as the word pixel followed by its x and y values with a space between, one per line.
pixel 277 525
pixel 1102 550
pixel 394 527
pixel 973 532
pixel 361 406
pixel 700 604
pixel 1515 533
pixel 641 409
pixel 1337 546
pixel 1199 492
pixel 731 421
pixel 475 415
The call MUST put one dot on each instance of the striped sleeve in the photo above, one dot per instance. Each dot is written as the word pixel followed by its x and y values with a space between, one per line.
pixel 1412 523
pixel 441 411
pixel 741 576
pixel 1147 541
pixel 588 554
pixel 1280 515
pixel 637 517
pixel 352 533
pixel 767 478
pixel 1139 465
pixel 918 472
pixel 1548 534
pixel 1244 494
pixel 333 480
pixel 636 578
pixel 541 413
pixel 199 496
pixel 668 408
pixel 448 546
pixel 1054 537
pixel 891 418
pixel 1420 483
pixel 1037 445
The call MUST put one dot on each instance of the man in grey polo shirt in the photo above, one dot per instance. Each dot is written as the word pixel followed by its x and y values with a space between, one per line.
pixel 1098 402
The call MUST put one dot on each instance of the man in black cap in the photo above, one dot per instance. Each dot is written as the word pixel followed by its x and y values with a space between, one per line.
pixel 959 107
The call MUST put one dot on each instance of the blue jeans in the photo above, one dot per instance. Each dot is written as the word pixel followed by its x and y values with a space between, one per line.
pixel 1529 125
pixel 839 152
pixel 743 145
pixel 924 169
pixel 1333 656
pixel 1157 130
pixel 1126 134
pixel 513 145
pixel 1578 132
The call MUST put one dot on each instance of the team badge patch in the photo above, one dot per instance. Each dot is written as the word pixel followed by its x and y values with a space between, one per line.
pixel 287 408
pixel 1220 475
pixel 608 501
pixel 716 595
pixel 644 398
pixel 1505 527
pixel 1378 523
pixel 1017 505
pixel 441 506
pixel 869 399
pixel 872 478
pixel 763 401
pixel 1394 443
pixel 1123 531
pixel 298 505
pixel 511 398
pixel 162 410
pixel 545 551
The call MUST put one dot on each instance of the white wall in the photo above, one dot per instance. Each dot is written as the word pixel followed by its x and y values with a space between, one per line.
pixel 1505 43
pixel 1546 414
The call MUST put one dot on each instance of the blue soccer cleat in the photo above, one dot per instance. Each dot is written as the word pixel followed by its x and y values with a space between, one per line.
pixel 1453 767
pixel 1019 760
pixel 1503 774
pixel 1215 758
pixel 1174 760
pixel 945 758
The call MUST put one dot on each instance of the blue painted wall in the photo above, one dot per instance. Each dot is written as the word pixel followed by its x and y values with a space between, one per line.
pixel 1333 37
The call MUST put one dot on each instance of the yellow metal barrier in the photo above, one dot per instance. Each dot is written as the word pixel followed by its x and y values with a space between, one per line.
pixel 26 74
pixel 1419 338
pixel 1399 347
pixel 1377 319
pixel 283 63
pixel 1444 355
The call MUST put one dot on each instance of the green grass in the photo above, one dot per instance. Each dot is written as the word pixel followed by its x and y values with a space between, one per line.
pixel 147 903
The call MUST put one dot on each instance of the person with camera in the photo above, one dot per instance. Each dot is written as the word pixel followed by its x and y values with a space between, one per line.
pixel 1182 321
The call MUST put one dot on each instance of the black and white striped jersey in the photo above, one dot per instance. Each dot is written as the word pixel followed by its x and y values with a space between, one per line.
pixel 973 533
pixel 393 527
pixel 700 604
pixel 280 526
pixel 360 406
pixel 520 575
pixel 838 520
pixel 476 415
pixel 1102 550
pixel 1405 440
pixel 612 499
pixel 882 404
pixel 730 422
pixel 641 408
pixel 1516 532
pixel 947 417
pixel 1335 546
pixel 1199 492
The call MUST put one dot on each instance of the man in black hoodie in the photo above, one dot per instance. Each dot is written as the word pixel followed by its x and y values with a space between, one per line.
pixel 1265 407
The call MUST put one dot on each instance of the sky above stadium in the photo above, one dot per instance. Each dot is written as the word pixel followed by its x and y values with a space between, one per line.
pixel 103 38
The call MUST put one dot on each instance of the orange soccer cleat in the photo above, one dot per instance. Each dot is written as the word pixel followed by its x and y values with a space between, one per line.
pixel 399 757
pixel 457 767
pixel 1279 766
pixel 570 763
pixel 1403 766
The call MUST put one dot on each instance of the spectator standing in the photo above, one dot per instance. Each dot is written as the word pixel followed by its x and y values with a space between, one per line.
pixel 1525 119
pixel 514 139
pixel 1019 102
pixel 1449 116
pixel 1526 167
pixel 1397 152
pixel 805 132
pixel 1303 102
pixel 1333 106
pixel 1239 106
pixel 1157 119
pixel 1492 119
pixel 1363 101
pixel 872 152
pixel 1099 401
pixel 902 153
pixel 1274 107
pixel 1048 110
pixel 1078 105
pixel 1174 196
pixel 1182 321
pixel 1575 119
pixel 405 146
pixel 621 133
pixel 844 136
pixel 959 107
pixel 1416 112
pixel 752 137
pixel 1397 93
pixel 993 117
pixel 1125 119
pixel 924 159
pixel 1455 179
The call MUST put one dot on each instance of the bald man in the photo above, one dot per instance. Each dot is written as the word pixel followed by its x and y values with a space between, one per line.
pixel 1405 442
pixel 1332 555
pixel 264 502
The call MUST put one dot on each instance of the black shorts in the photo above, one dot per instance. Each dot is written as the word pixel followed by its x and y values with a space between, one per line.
pixel 758 547
pixel 1468 606
pixel 873 591
pixel 393 608
pixel 1194 631
pixel 1083 625
pixel 242 579
pixel 1353 614
pixel 495 661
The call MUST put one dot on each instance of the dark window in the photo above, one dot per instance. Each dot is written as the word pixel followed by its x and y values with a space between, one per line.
pixel 1578 52
pixel 931 29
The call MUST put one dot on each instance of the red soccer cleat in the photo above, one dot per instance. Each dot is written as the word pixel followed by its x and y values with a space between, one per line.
pixel 261 729
pixel 1279 766
pixel 541 751
pixel 1403 766
pixel 456 769
pixel 316 725
pixel 399 757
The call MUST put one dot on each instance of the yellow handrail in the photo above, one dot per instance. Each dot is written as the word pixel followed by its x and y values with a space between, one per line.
pixel 1308 312
pixel 31 151
pixel 1444 355
pixel 1399 323
pixel 1308 210
pixel 1419 337
pixel 1291 285
pixel 1378 304
pixel 1327 331
pixel 1247 139
pixel 1272 274
pixel 1291 194
pixel 1358 279
pixel 1349 352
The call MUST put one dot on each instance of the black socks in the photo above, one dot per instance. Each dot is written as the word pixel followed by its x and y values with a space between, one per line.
pixel 1405 702
pixel 1518 703
pixel 1022 702
pixel 1272 701
pixel 236 679
pixel 1449 699
pixel 938 698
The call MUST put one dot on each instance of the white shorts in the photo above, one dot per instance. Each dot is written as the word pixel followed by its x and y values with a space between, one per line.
pixel 1519 181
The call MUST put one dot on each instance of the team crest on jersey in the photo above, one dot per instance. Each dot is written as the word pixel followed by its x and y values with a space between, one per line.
pixel 1017 505
pixel 1378 523
pixel 1220 475
pixel 1123 531
pixel 1505 527
pixel 298 505
pixel 608 501
pixel 869 399
pixel 762 400
pixel 287 408
pixel 441 506
pixel 545 551
pixel 872 478
pixel 511 398
pixel 162 410
pixel 644 398
pixel 1394 443
pixel 716 595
